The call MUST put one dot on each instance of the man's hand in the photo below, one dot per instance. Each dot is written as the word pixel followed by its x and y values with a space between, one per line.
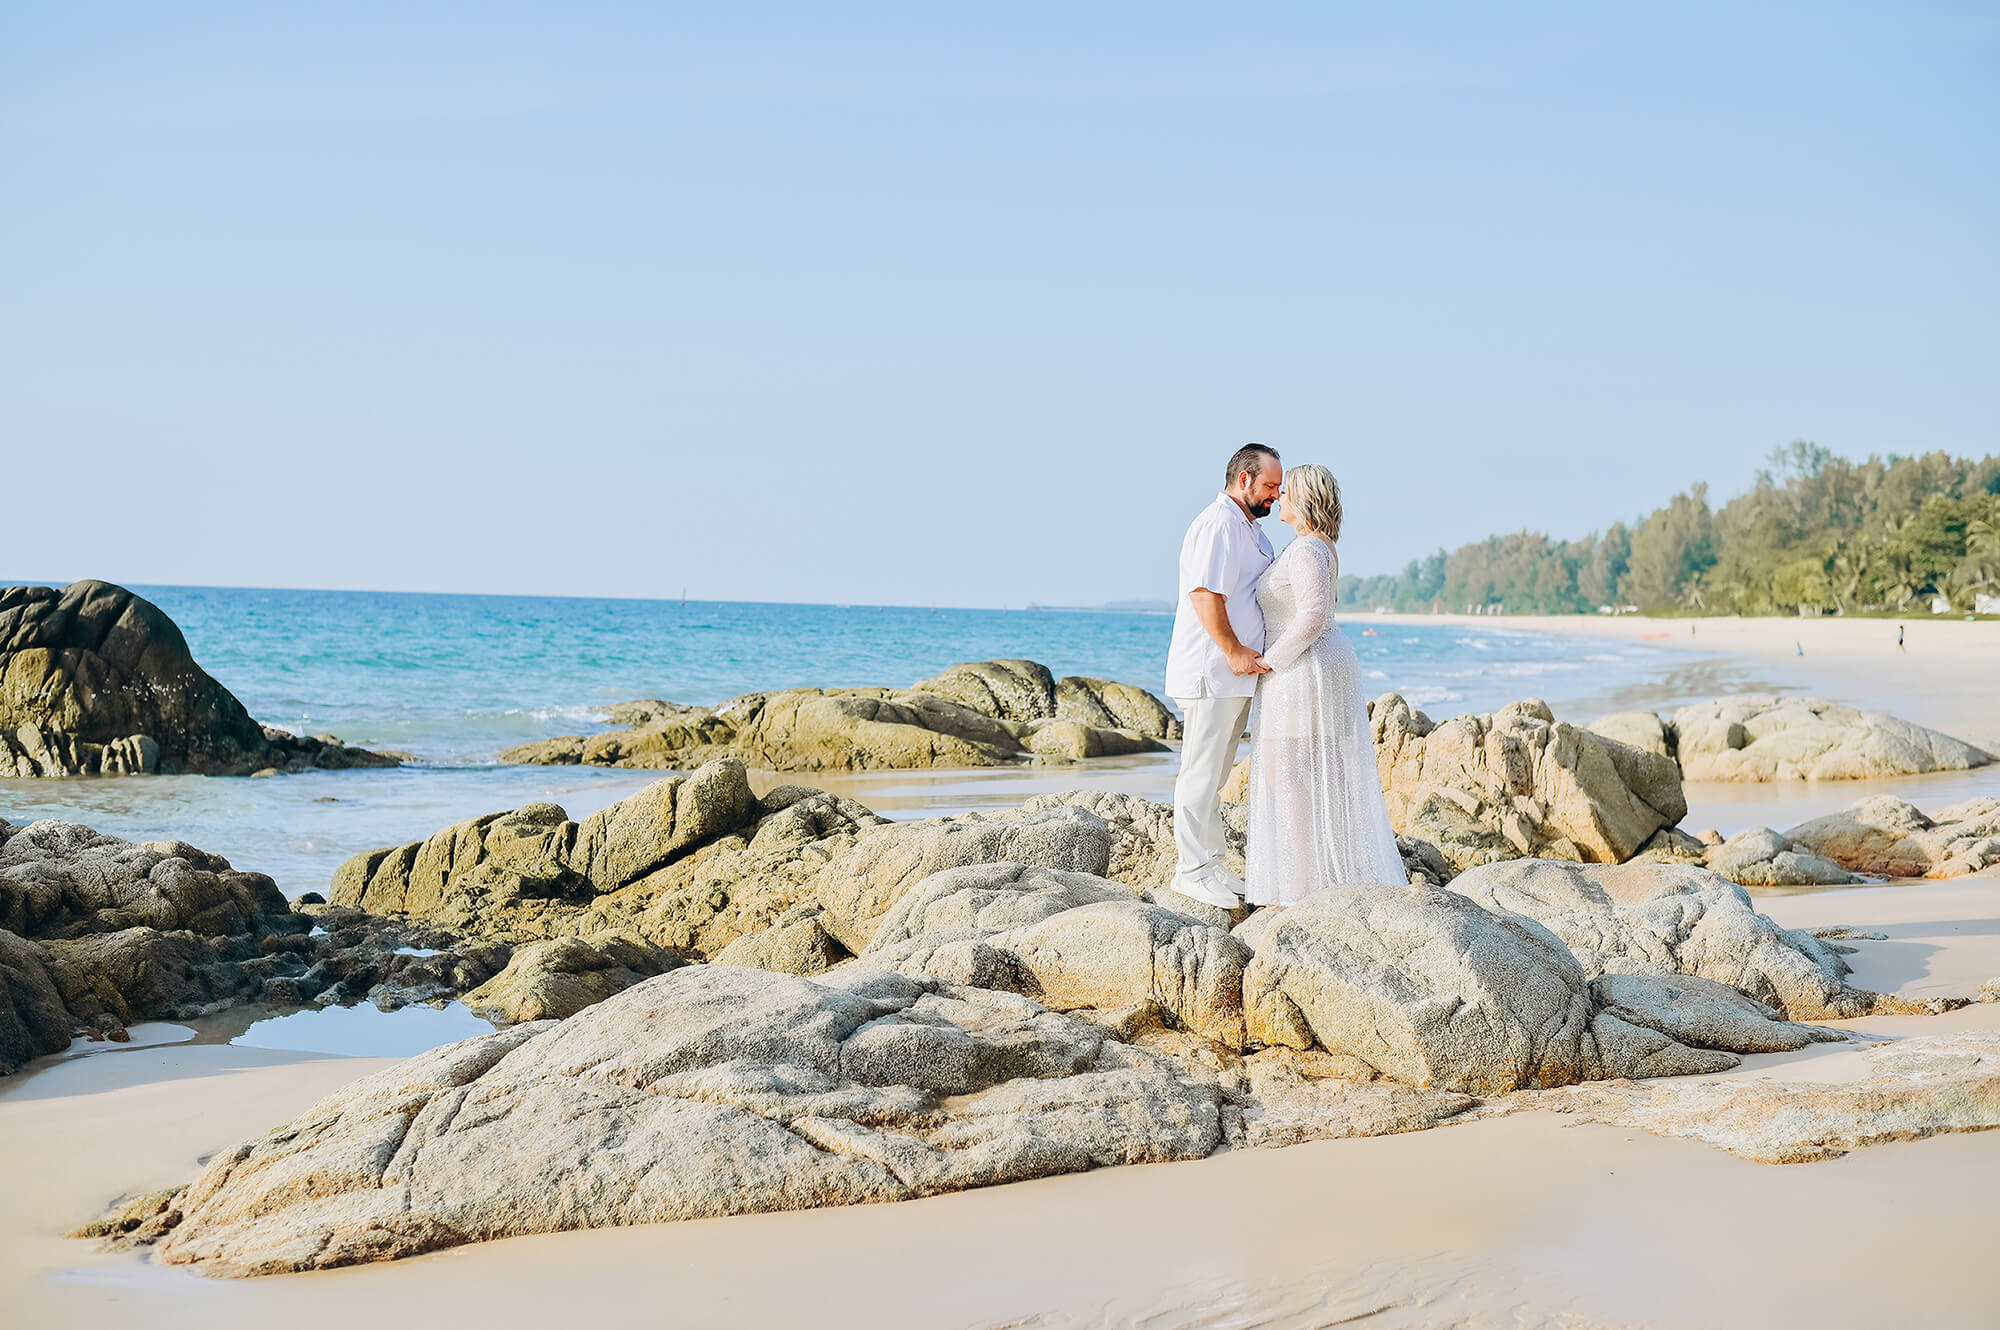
pixel 1213 613
pixel 1242 660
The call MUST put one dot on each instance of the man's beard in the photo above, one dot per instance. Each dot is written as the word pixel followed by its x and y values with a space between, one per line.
pixel 1257 509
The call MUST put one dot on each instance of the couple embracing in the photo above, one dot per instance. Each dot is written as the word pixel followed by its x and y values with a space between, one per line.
pixel 1254 637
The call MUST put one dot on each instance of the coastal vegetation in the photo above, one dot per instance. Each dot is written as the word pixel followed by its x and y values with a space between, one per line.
pixel 1816 533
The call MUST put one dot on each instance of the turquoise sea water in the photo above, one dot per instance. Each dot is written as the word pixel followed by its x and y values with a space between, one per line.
pixel 454 679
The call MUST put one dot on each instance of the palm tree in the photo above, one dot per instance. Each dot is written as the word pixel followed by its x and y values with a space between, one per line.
pixel 1846 580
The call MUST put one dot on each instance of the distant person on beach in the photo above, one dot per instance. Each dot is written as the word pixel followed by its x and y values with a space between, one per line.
pixel 1900 649
pixel 1213 664
pixel 1317 817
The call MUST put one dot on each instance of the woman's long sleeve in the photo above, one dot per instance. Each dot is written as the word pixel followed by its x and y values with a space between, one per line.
pixel 1313 585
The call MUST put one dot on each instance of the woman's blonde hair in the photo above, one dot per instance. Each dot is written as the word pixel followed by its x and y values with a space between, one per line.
pixel 1316 494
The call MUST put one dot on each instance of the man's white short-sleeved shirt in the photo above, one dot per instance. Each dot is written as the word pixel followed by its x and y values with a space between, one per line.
pixel 1224 552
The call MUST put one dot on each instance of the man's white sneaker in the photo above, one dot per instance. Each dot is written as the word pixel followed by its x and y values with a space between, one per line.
pixel 1207 888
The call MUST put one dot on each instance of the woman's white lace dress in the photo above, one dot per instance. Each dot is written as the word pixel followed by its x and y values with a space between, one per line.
pixel 1316 811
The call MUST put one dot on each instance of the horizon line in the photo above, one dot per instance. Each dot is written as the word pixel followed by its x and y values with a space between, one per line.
pixel 567 595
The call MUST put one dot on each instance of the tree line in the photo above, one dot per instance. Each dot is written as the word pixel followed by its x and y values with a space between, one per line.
pixel 1816 533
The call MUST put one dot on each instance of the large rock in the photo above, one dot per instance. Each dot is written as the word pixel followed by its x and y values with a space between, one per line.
pixel 692 864
pixel 1912 1089
pixel 1753 737
pixel 62 880
pixel 1887 837
pixel 865 879
pixel 1070 941
pixel 100 933
pixel 1519 783
pixel 1142 834
pixel 525 872
pixel 1108 705
pixel 986 899
pixel 797 943
pixel 1667 919
pixel 1761 857
pixel 709 1091
pixel 95 680
pixel 987 713
pixel 122 932
pixel 1427 988
pixel 33 1019
pixel 1023 691
pixel 1642 730
pixel 558 978
pixel 1018 690
pixel 1292 1104
pixel 1702 1013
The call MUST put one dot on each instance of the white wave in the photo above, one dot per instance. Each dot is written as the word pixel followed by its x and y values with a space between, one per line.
pixel 1423 697
pixel 1378 674
pixel 588 713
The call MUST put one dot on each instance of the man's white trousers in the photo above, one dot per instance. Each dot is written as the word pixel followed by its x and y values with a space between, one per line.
pixel 1211 729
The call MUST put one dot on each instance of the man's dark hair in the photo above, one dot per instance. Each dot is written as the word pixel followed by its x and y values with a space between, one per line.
pixel 1250 457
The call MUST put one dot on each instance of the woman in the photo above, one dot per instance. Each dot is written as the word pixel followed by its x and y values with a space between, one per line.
pixel 1316 811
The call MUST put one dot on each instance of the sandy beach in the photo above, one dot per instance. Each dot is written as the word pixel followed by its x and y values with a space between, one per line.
pixel 1947 676
pixel 1518 1221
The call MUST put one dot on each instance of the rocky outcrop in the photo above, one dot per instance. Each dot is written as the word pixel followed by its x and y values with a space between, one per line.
pixel 100 932
pixel 1519 783
pixel 558 978
pixel 1021 690
pixel 796 943
pixel 706 1092
pixel 97 681
pixel 989 713
pixel 512 874
pixel 717 1091
pixel 1014 1010
pixel 1762 857
pixel 1433 991
pixel 1914 1088
pixel 33 1019
pixel 863 882
pixel 1885 837
pixel 1702 1013
pixel 1070 941
pixel 1143 852
pixel 62 880
pixel 1142 833
pixel 1665 920
pixel 1754 737
pixel 97 933
pixel 694 866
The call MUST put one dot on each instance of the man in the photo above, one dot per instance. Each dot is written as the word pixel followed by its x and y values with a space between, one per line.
pixel 1213 664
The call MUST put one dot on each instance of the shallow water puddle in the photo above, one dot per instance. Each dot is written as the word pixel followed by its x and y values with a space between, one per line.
pixel 366 1031
pixel 146 1034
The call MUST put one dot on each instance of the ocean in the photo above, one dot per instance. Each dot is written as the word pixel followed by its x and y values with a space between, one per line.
pixel 454 679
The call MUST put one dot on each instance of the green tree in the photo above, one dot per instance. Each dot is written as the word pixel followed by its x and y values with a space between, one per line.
pixel 1672 544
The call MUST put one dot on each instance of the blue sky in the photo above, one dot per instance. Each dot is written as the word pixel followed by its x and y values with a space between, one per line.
pixel 928 304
